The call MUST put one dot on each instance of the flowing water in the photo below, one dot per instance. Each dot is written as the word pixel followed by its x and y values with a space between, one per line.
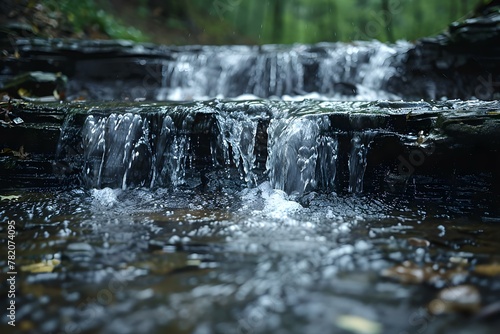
pixel 258 223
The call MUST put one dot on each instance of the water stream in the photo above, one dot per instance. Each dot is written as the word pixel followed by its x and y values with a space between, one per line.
pixel 251 216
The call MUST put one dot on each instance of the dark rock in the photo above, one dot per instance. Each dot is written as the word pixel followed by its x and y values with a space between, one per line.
pixel 460 63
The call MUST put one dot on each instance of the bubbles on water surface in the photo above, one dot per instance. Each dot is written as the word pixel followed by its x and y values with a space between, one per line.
pixel 105 197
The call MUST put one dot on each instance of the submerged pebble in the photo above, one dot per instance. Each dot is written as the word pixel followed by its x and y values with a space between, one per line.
pixel 461 298
pixel 411 273
pixel 417 242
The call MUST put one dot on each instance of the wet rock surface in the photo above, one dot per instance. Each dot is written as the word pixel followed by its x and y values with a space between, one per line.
pixel 460 63
pixel 180 144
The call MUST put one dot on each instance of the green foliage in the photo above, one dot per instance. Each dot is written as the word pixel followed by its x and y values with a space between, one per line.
pixel 267 21
pixel 85 15
pixel 310 21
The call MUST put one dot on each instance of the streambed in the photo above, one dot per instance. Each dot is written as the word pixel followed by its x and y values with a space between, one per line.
pixel 245 261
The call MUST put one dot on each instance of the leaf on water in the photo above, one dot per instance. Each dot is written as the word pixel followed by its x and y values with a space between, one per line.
pixel 358 325
pixel 46 266
pixel 18 120
pixel 23 92
pixel 193 262
pixel 488 269
pixel 9 197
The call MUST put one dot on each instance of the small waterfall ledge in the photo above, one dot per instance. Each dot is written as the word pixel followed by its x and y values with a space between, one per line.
pixel 342 147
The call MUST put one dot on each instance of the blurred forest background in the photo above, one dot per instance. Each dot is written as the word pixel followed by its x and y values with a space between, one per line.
pixel 238 21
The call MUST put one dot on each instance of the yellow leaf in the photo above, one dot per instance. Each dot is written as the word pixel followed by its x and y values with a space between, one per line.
pixel 358 325
pixel 22 92
pixel 487 269
pixel 9 197
pixel 46 266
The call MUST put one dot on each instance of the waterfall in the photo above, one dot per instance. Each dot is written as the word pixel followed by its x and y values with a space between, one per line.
pixel 354 71
pixel 326 168
pixel 123 150
pixel 237 135
pixel 360 144
pixel 299 158
pixel 359 69
pixel 176 145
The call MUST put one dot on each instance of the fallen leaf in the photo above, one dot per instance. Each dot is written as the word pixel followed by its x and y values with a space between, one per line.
pixel 9 197
pixel 23 92
pixel 458 260
pixel 18 120
pixel 488 269
pixel 358 325
pixel 193 262
pixel 46 266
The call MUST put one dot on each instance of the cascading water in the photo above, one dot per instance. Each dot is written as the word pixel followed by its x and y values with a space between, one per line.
pixel 237 136
pixel 355 71
pixel 292 154
pixel 124 150
pixel 300 158
pixel 360 144
pixel 156 150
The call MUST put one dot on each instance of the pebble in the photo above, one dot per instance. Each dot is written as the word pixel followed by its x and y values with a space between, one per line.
pixel 461 299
